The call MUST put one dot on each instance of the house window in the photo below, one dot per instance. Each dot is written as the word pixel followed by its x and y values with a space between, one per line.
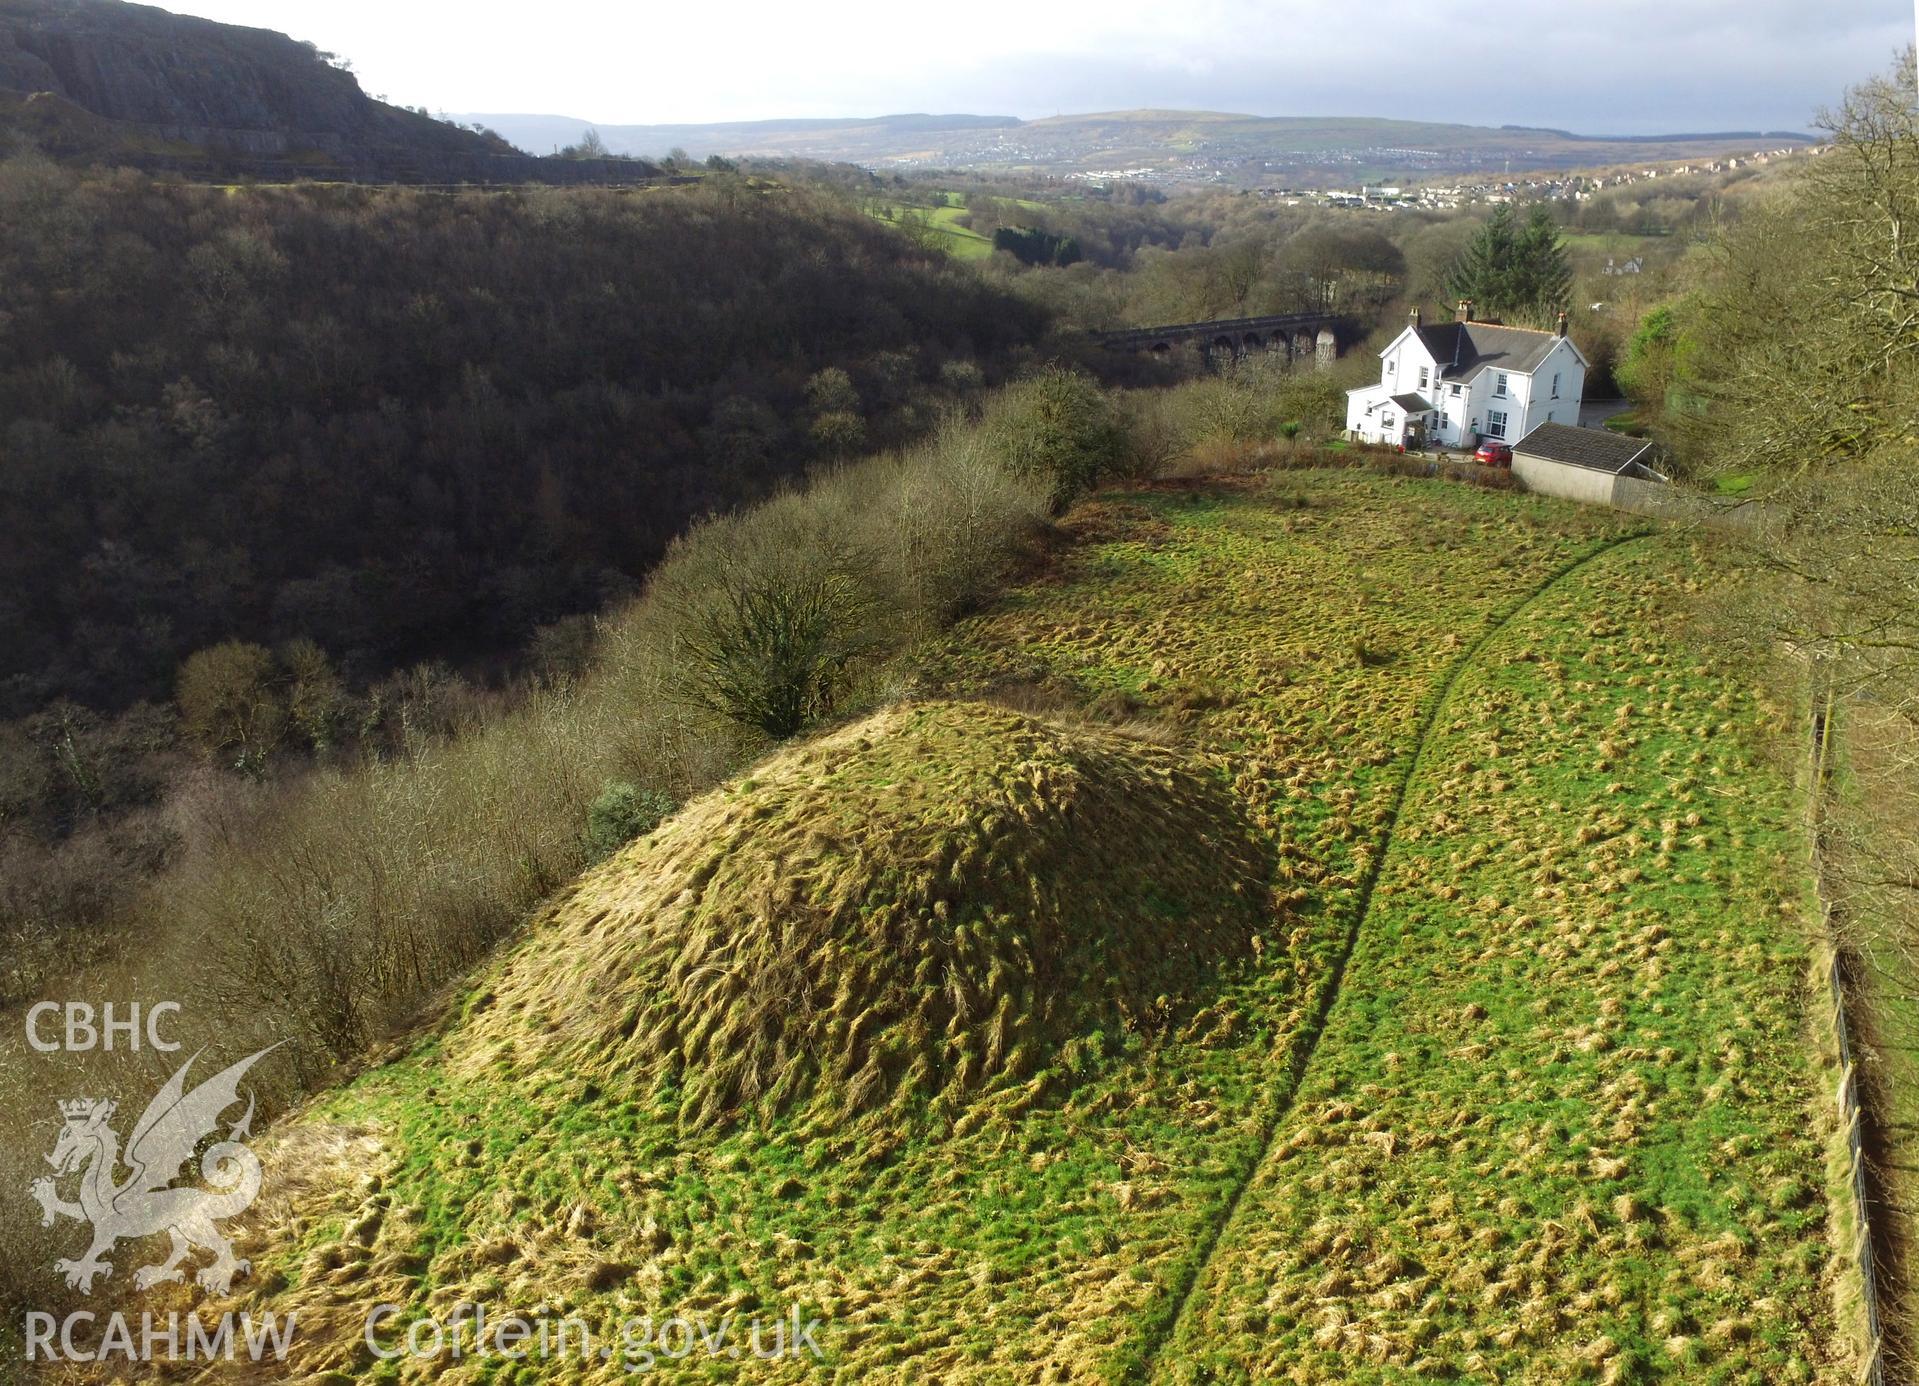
pixel 1499 383
pixel 1425 377
pixel 1392 367
pixel 1386 423
pixel 1555 384
pixel 1455 390
pixel 1496 423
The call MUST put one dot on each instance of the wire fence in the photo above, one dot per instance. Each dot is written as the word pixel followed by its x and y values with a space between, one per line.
pixel 1873 1368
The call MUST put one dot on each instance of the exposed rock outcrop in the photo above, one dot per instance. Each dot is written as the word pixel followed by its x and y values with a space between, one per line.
pixel 140 85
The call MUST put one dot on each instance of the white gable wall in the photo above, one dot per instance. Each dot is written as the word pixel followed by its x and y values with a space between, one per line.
pixel 1561 405
pixel 1401 363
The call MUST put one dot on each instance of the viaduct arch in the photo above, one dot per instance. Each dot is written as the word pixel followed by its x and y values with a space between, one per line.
pixel 1317 337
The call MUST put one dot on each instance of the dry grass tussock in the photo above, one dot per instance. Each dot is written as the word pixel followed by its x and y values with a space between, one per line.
pixel 909 908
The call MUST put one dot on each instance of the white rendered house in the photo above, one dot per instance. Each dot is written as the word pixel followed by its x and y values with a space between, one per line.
pixel 1460 383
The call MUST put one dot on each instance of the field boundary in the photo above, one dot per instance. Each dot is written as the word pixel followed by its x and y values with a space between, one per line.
pixel 1832 967
pixel 1307 1042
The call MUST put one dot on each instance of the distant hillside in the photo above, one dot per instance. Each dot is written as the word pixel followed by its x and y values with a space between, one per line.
pixel 852 138
pixel 104 80
pixel 1159 145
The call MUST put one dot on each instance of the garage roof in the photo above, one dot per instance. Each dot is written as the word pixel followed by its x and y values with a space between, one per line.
pixel 1595 449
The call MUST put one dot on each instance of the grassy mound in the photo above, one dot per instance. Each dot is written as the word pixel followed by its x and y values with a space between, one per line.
pixel 907 909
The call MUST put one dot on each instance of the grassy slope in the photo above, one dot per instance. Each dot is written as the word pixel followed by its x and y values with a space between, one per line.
pixel 961 242
pixel 1564 1123
pixel 1299 633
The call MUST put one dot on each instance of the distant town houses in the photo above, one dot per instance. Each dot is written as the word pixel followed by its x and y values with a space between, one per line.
pixel 1265 175
pixel 1547 187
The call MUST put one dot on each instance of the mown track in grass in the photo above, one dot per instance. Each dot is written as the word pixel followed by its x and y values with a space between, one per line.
pixel 1145 1354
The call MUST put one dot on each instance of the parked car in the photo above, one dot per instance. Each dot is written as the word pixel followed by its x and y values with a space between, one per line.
pixel 1494 455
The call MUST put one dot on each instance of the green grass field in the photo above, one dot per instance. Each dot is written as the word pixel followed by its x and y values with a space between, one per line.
pixel 1563 1123
pixel 1509 1078
pixel 961 242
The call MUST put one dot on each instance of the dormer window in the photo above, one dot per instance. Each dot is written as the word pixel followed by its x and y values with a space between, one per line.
pixel 1499 383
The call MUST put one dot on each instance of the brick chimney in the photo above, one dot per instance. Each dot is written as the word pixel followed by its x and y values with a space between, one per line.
pixel 1414 316
pixel 1464 313
pixel 1562 322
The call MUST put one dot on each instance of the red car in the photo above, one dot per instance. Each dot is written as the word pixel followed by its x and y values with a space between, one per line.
pixel 1494 455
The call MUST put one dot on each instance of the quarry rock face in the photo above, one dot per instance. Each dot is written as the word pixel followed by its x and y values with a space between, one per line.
pixel 182 92
pixel 143 65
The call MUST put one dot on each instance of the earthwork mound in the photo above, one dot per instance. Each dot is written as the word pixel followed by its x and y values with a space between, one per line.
pixel 908 909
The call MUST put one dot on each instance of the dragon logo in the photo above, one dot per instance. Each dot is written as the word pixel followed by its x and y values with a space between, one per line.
pixel 165 1137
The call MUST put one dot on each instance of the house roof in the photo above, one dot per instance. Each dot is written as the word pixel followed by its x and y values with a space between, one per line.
pixel 1413 404
pixel 1464 349
pixel 1593 448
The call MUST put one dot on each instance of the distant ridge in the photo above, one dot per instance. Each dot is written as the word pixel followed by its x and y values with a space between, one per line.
pixel 1192 145
pixel 540 133
pixel 1795 136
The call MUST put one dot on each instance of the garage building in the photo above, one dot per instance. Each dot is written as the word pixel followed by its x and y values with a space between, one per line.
pixel 1582 464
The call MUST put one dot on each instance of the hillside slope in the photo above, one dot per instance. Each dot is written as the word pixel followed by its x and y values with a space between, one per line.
pixel 1361 664
pixel 409 426
pixel 135 83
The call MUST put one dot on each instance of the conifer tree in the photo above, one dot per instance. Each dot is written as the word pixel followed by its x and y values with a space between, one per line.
pixel 1545 276
pixel 1515 272
pixel 1484 269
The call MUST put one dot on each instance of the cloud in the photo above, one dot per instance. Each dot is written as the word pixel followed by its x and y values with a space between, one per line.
pixel 1596 66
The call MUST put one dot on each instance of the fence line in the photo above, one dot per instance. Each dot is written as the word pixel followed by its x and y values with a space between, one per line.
pixel 1662 500
pixel 1873 1369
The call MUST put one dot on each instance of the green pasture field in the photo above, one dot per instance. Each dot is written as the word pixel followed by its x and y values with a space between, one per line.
pixel 1514 1082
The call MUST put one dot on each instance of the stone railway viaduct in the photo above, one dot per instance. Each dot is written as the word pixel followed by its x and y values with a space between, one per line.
pixel 1300 336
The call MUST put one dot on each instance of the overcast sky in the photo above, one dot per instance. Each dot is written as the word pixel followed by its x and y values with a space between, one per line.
pixel 1592 66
